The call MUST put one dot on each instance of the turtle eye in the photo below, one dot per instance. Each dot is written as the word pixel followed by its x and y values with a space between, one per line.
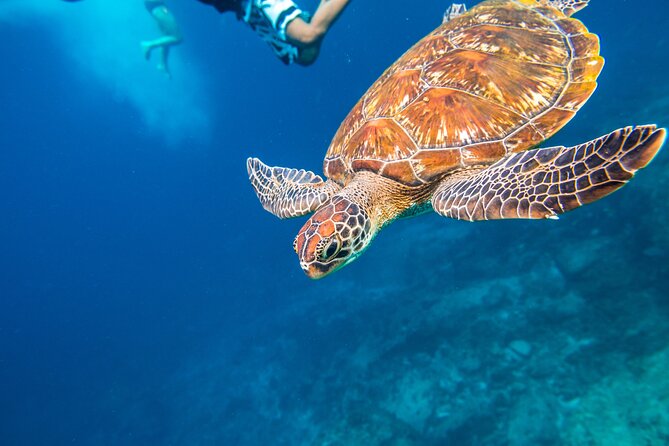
pixel 331 248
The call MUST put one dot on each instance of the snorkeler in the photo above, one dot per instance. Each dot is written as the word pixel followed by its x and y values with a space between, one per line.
pixel 293 35
pixel 171 34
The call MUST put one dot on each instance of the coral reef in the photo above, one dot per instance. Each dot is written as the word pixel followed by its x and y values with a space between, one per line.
pixel 562 346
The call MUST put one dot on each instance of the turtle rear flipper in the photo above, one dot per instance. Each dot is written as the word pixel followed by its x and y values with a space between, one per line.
pixel 543 183
pixel 288 192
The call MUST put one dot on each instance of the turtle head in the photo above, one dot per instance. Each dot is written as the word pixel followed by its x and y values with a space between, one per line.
pixel 333 237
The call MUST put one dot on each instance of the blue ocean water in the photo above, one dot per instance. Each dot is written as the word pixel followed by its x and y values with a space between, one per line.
pixel 147 298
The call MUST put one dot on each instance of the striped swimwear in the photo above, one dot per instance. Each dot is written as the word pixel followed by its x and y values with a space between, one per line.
pixel 269 19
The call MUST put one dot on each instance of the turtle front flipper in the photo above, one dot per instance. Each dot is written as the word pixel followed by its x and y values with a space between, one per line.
pixel 542 183
pixel 289 192
pixel 453 11
pixel 568 7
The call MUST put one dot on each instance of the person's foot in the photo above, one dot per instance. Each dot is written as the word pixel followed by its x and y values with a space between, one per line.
pixel 162 68
pixel 146 49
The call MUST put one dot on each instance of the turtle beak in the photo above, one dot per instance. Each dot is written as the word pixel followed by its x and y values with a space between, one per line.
pixel 314 270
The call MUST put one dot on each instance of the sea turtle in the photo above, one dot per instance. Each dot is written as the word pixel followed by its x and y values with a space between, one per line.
pixel 452 127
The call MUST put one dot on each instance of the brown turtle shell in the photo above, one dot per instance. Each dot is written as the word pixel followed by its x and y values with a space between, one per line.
pixel 499 79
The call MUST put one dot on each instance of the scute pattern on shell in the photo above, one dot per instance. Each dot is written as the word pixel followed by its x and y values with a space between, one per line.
pixel 499 79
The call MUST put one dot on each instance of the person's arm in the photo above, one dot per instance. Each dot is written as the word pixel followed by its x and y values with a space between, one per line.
pixel 311 33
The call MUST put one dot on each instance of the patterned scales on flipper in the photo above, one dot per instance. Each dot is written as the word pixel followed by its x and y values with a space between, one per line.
pixel 498 79
pixel 542 183
pixel 568 7
pixel 288 192
pixel 453 11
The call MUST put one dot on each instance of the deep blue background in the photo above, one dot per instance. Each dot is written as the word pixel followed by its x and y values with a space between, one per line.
pixel 121 255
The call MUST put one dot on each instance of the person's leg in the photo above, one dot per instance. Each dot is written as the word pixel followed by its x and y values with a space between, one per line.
pixel 309 33
pixel 171 36
pixel 308 36
pixel 147 47
pixel 165 41
pixel 164 52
